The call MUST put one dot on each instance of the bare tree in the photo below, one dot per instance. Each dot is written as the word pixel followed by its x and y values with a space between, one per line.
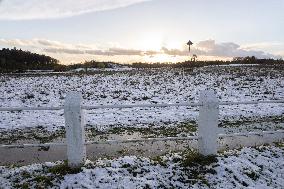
pixel 194 57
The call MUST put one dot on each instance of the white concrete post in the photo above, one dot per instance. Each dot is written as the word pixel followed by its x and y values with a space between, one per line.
pixel 75 133
pixel 208 123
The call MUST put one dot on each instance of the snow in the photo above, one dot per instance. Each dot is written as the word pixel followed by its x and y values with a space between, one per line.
pixel 249 167
pixel 233 65
pixel 255 167
pixel 114 69
pixel 140 87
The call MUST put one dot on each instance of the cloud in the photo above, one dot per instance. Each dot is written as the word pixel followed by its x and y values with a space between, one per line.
pixel 16 42
pixel 174 52
pixel 108 52
pixel 33 43
pixel 151 52
pixel 122 51
pixel 46 9
pixel 230 49
pixel 65 51
pixel 206 48
pixel 263 45
pixel 96 52
pixel 50 43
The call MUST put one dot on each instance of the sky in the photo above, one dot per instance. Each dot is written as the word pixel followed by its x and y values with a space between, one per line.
pixel 129 31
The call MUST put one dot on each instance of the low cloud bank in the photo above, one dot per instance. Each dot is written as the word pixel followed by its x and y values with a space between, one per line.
pixel 203 48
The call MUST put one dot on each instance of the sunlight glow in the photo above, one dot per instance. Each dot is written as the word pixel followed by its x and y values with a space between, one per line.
pixel 150 41
pixel 163 58
pixel 175 45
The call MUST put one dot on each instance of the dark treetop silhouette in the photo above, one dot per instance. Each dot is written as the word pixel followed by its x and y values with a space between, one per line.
pixel 189 43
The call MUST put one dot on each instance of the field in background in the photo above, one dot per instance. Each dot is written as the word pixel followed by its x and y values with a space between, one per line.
pixel 140 86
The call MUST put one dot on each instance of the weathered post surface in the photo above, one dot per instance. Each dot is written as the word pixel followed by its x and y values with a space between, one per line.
pixel 208 122
pixel 75 133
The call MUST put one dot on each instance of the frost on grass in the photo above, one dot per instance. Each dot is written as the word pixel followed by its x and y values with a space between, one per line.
pixel 140 87
pixel 259 167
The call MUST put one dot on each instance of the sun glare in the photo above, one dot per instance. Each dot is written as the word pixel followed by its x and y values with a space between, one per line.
pixel 151 41
pixel 163 58
pixel 173 45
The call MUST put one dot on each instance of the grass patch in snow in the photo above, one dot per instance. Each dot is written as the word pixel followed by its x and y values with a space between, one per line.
pixel 252 174
pixel 199 165
pixel 158 160
pixel 152 130
pixel 63 169
pixel 227 123
pixel 38 134
pixel 279 144
pixel 43 176
pixel 192 158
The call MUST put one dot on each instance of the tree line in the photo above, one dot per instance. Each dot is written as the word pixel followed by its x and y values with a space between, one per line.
pixel 249 60
pixel 17 60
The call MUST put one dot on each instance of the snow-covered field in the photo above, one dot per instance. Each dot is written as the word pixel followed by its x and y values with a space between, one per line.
pixel 259 167
pixel 139 87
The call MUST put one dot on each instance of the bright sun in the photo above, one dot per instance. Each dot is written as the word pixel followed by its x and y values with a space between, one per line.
pixel 155 41
pixel 151 41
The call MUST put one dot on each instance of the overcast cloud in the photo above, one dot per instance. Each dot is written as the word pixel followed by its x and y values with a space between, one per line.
pixel 46 9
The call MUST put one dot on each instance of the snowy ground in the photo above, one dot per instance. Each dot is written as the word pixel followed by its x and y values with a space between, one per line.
pixel 138 87
pixel 258 167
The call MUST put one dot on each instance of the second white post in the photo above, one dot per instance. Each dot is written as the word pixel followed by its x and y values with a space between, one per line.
pixel 208 122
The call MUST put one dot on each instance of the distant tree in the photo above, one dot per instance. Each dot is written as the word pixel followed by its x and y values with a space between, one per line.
pixel 101 65
pixel 12 60
pixel 60 68
pixel 194 57
pixel 250 60
pixel 3 63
